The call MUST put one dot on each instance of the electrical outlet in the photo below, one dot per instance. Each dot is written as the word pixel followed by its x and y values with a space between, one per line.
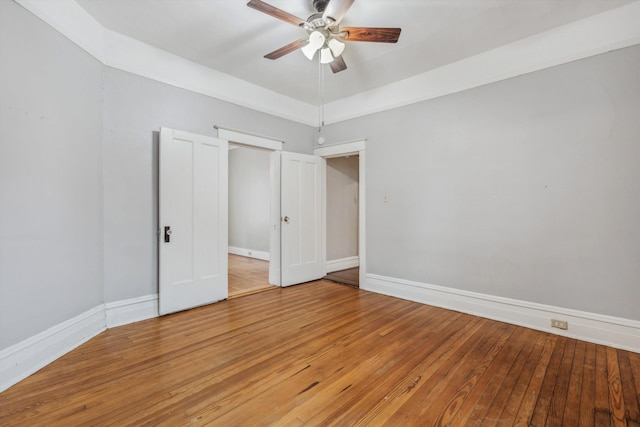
pixel 560 324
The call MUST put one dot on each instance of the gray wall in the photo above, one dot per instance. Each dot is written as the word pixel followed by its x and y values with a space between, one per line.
pixel 528 188
pixel 50 177
pixel 78 173
pixel 249 198
pixel 134 110
pixel 342 207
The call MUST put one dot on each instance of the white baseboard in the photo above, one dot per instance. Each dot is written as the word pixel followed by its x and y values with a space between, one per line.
pixel 597 328
pixel 27 357
pixel 132 310
pixel 249 253
pixel 23 359
pixel 342 264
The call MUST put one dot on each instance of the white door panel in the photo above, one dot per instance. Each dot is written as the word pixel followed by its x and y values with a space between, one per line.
pixel 193 203
pixel 302 214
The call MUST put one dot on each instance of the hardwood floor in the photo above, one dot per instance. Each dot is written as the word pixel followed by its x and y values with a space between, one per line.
pixel 350 277
pixel 248 276
pixel 326 354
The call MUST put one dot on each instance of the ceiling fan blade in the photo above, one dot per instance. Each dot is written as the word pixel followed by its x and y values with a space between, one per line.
pixel 286 49
pixel 275 12
pixel 338 64
pixel 336 9
pixel 366 34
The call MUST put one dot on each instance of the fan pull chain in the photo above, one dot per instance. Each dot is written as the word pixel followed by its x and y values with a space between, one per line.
pixel 321 95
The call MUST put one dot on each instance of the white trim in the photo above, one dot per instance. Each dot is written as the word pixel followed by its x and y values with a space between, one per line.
pixel 250 253
pixel 597 328
pixel 131 310
pixel 343 149
pixel 342 264
pixel 275 146
pixel 362 217
pixel 274 211
pixel 27 357
pixel 610 30
pixel 246 138
pixel 614 29
pixel 323 216
pixel 23 359
pixel 127 54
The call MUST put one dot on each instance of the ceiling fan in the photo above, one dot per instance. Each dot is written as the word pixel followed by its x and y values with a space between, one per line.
pixel 324 32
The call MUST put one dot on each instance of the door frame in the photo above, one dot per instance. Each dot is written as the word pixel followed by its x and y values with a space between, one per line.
pixel 357 147
pixel 274 146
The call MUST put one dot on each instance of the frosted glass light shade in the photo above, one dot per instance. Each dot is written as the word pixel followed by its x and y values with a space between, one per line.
pixel 316 40
pixel 336 46
pixel 326 56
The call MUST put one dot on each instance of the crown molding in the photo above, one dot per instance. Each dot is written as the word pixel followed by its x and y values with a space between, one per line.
pixel 611 30
pixel 615 29
pixel 127 54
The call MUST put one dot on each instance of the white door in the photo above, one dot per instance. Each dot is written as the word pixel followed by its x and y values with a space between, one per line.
pixel 302 216
pixel 193 220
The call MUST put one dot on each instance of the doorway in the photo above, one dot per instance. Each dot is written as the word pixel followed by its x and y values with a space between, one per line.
pixel 249 220
pixel 204 183
pixel 249 265
pixel 342 194
pixel 351 269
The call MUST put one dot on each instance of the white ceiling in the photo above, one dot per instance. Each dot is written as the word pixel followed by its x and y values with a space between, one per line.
pixel 232 38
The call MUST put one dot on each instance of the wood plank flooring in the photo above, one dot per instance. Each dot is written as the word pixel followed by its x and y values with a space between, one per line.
pixel 350 277
pixel 248 276
pixel 327 354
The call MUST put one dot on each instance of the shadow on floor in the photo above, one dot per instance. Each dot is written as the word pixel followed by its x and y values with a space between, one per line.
pixel 349 277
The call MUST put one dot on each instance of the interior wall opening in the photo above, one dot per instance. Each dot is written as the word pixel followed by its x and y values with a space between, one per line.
pixel 249 219
pixel 342 213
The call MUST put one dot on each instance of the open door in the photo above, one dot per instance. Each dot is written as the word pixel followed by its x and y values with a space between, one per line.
pixel 302 218
pixel 193 220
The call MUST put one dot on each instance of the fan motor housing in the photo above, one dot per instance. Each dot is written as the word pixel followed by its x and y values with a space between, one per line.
pixel 320 5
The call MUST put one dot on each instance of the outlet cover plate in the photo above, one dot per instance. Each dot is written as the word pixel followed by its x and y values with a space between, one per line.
pixel 560 324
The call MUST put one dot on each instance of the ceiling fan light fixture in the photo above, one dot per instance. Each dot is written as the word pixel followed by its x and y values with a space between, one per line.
pixel 336 46
pixel 316 40
pixel 326 56
pixel 309 51
pixel 324 32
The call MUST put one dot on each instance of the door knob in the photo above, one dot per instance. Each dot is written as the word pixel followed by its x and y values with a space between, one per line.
pixel 286 219
pixel 167 234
